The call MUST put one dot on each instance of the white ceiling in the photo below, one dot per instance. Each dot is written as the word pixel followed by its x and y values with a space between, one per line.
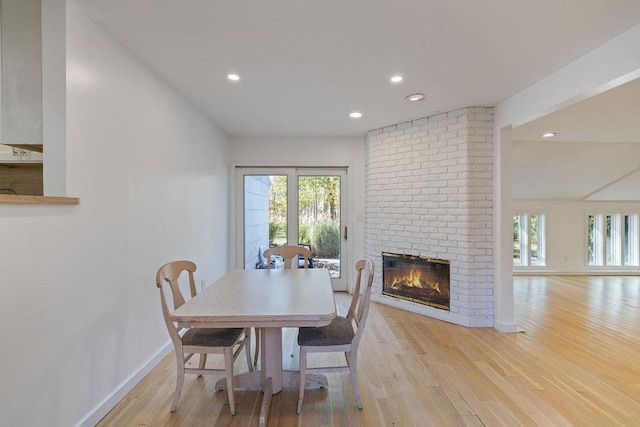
pixel 305 64
pixel 595 154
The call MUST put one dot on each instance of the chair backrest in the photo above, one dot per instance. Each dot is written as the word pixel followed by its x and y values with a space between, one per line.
pixel 361 299
pixel 289 253
pixel 168 275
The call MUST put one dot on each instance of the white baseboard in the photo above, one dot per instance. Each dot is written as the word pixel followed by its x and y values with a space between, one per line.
pixel 110 402
pixel 592 272
pixel 507 327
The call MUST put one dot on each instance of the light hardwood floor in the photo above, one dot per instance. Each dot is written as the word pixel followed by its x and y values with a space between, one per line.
pixel 576 361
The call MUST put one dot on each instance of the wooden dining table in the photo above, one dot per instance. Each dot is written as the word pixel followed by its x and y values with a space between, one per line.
pixel 270 300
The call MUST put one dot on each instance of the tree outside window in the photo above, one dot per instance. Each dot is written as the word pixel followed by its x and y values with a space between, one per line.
pixel 612 240
pixel 528 240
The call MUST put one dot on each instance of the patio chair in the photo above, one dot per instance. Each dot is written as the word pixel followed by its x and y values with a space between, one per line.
pixel 274 261
pixel 289 253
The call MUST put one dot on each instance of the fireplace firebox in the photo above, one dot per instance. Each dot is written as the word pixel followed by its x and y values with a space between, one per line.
pixel 417 279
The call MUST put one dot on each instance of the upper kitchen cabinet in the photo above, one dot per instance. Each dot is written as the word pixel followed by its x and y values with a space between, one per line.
pixel 33 102
pixel 21 71
pixel 21 127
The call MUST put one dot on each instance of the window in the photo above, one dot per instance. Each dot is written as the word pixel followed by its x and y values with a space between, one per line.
pixel 528 240
pixel 517 240
pixel 613 240
pixel 631 240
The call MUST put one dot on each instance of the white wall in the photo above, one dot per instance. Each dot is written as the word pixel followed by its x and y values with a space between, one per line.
pixel 78 303
pixel 306 151
pixel 614 63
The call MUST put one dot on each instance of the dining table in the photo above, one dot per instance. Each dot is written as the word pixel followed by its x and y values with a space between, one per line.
pixel 269 300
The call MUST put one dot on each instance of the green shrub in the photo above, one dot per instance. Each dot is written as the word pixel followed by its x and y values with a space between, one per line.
pixel 274 227
pixel 325 240
pixel 304 233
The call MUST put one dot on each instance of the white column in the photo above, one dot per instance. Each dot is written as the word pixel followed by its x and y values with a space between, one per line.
pixel 504 320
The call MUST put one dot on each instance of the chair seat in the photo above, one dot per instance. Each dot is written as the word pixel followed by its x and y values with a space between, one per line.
pixel 338 332
pixel 211 337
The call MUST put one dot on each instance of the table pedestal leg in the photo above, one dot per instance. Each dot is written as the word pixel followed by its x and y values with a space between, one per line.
pixel 271 357
pixel 253 380
pixel 266 403
pixel 271 367
pixel 271 378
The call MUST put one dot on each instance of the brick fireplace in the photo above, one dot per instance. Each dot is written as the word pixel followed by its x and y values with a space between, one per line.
pixel 429 193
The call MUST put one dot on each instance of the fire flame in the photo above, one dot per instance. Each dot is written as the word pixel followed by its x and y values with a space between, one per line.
pixel 414 280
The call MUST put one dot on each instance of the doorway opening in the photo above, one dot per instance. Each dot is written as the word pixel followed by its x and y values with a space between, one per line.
pixel 294 206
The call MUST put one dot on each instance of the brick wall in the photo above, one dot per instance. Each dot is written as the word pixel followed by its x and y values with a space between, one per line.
pixel 429 192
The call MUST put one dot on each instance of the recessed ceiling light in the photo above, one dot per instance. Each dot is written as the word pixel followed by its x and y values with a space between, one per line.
pixel 233 77
pixel 548 134
pixel 396 79
pixel 355 114
pixel 416 97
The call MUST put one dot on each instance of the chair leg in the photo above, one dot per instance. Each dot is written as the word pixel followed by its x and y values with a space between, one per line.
pixel 247 348
pixel 293 348
pixel 228 367
pixel 203 361
pixel 303 367
pixel 179 380
pixel 257 334
pixel 353 375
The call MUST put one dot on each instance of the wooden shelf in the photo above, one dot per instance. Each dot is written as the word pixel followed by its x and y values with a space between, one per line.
pixel 32 147
pixel 37 200
pixel 35 164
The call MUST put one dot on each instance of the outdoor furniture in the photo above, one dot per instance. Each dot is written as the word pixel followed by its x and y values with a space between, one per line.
pixel 274 261
pixel 288 254
pixel 270 300
pixel 226 341
pixel 339 335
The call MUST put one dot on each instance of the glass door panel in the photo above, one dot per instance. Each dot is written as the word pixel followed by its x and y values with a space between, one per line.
pixel 278 202
pixel 319 220
pixel 264 216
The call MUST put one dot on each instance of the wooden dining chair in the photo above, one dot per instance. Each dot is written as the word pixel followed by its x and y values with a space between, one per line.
pixel 189 341
pixel 343 334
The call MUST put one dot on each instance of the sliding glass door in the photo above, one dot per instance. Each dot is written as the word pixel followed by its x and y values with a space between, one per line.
pixel 294 206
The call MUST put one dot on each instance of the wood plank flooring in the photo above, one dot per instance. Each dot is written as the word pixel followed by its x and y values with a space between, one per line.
pixel 576 361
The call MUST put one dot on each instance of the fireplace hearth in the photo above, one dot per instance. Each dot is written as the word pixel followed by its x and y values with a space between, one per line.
pixel 417 279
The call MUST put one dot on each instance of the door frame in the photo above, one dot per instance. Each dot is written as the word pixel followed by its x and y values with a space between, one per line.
pixel 237 210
